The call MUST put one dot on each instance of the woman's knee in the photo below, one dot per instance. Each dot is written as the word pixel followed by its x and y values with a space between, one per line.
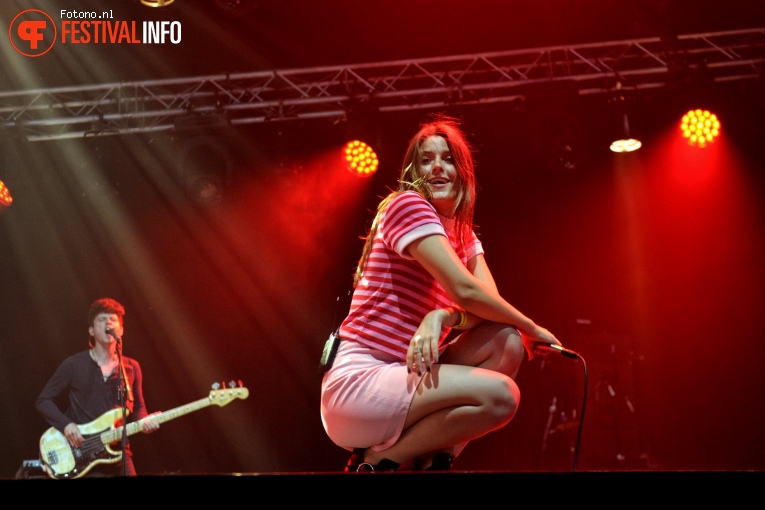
pixel 506 339
pixel 512 339
pixel 489 345
pixel 504 400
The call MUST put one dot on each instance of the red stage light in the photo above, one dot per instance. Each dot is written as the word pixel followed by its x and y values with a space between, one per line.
pixel 5 195
pixel 360 158
pixel 700 127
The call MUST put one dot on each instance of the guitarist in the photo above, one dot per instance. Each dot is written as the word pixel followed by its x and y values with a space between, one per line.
pixel 91 383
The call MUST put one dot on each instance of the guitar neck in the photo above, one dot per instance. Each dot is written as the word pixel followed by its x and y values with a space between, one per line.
pixel 113 435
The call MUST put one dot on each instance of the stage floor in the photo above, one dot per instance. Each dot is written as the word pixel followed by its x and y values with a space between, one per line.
pixel 591 487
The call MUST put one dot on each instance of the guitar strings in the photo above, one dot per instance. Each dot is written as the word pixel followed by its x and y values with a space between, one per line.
pixel 92 443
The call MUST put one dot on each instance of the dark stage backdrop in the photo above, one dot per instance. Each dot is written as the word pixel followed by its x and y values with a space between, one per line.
pixel 647 264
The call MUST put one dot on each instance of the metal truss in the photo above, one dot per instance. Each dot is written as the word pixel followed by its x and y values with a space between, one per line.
pixel 335 91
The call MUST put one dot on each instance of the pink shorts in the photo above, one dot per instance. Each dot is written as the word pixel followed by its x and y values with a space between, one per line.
pixel 365 397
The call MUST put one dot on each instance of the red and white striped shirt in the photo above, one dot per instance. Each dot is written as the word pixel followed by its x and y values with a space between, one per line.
pixel 395 291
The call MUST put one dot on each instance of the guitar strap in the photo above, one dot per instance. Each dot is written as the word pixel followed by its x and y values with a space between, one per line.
pixel 126 382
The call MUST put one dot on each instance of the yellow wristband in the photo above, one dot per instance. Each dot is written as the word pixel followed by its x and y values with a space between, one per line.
pixel 463 318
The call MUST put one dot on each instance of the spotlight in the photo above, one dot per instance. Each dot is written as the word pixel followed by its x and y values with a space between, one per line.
pixel 563 149
pixel 205 188
pixel 360 158
pixel 700 127
pixel 156 3
pixel 5 195
pixel 205 165
pixel 566 157
pixel 625 142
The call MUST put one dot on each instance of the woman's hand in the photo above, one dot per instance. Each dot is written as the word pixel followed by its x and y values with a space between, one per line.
pixel 423 348
pixel 537 334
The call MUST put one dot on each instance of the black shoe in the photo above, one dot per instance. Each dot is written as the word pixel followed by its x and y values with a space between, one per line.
pixel 442 461
pixel 382 466
pixel 356 459
pixel 356 464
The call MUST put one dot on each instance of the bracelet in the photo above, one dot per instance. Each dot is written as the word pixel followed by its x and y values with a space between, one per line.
pixel 463 318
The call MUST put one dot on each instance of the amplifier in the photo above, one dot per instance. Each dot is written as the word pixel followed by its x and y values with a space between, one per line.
pixel 30 469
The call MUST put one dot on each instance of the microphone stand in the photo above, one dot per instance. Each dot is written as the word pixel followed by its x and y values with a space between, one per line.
pixel 548 427
pixel 125 395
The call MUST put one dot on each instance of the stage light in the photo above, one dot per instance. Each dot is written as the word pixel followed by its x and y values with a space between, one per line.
pixel 5 195
pixel 205 165
pixel 156 3
pixel 700 127
pixel 205 188
pixel 626 142
pixel 360 158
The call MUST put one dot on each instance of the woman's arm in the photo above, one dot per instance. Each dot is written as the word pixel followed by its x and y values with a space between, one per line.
pixel 475 292
pixel 480 269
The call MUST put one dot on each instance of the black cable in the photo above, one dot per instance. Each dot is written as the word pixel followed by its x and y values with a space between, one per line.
pixel 546 348
pixel 581 418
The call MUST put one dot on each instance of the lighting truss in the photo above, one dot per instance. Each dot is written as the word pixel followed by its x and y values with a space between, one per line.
pixel 332 91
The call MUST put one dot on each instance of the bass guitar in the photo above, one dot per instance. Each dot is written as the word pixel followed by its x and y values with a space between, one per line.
pixel 59 460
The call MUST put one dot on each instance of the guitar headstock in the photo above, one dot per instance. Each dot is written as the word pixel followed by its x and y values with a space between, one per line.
pixel 223 396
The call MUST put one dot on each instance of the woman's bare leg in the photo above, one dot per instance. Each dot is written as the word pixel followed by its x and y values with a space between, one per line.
pixel 468 394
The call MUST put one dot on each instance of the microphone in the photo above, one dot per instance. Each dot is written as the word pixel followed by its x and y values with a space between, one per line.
pixel 545 348
pixel 110 331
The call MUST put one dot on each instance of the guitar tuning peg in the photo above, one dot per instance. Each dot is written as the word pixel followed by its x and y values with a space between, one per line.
pixel 231 384
pixel 241 384
pixel 215 386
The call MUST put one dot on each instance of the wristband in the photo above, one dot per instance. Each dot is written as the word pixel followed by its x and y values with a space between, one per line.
pixel 463 318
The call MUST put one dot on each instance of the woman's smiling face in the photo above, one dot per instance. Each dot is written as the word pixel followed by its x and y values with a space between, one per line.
pixel 440 175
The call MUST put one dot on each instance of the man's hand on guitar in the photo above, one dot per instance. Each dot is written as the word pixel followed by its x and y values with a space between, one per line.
pixel 150 423
pixel 73 435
